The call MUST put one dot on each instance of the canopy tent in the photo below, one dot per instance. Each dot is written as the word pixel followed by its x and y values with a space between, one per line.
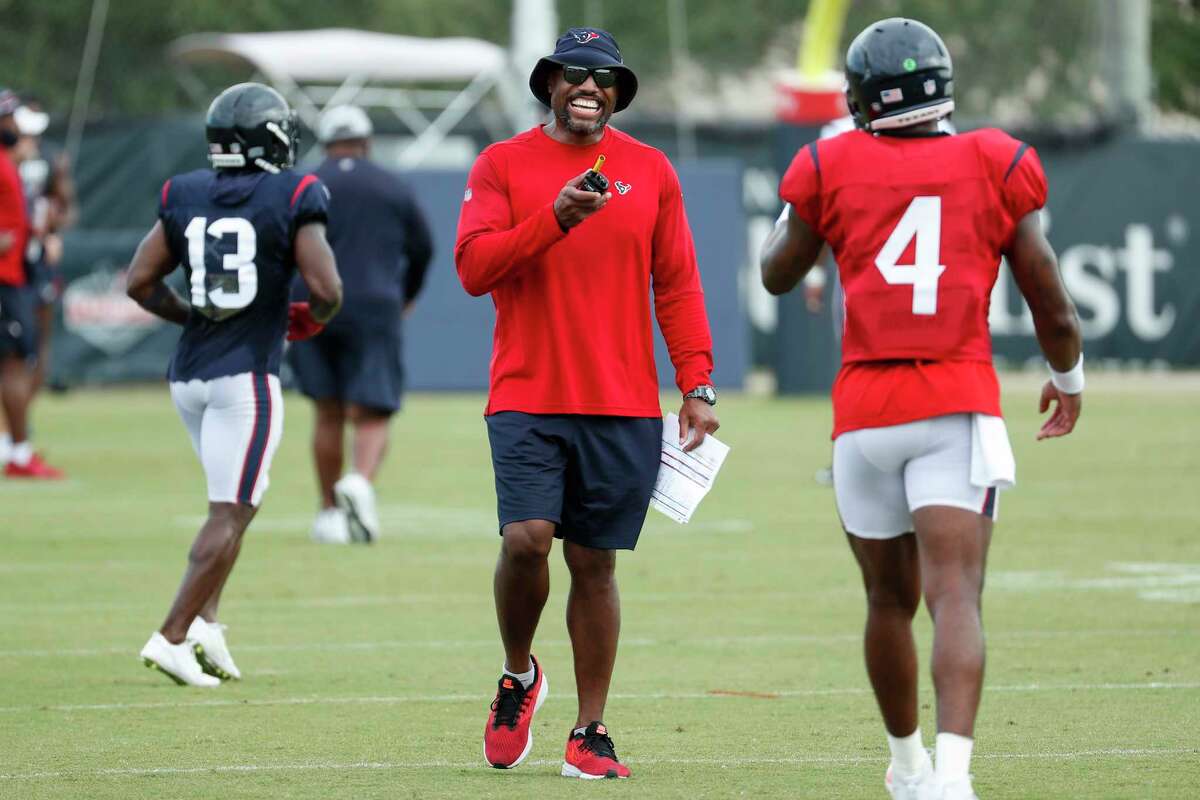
pixel 321 68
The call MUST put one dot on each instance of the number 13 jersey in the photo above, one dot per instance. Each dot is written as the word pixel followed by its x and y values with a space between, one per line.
pixel 233 232
pixel 917 225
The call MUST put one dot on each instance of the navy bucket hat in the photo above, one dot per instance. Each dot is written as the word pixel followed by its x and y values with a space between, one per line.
pixel 585 47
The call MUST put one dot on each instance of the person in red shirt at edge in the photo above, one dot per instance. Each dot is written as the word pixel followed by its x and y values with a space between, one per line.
pixel 18 341
pixel 573 411
pixel 918 221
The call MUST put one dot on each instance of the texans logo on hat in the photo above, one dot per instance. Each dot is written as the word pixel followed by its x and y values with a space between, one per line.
pixel 583 37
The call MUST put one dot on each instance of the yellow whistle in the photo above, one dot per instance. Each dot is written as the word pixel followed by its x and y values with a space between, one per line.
pixel 599 163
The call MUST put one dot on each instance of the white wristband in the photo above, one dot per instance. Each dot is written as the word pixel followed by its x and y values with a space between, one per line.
pixel 1071 381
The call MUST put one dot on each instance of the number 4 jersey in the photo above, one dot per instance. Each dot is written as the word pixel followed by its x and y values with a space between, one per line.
pixel 917 225
pixel 233 231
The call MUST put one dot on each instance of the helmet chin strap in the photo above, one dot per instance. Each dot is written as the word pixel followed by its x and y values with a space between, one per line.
pixel 913 117
pixel 266 166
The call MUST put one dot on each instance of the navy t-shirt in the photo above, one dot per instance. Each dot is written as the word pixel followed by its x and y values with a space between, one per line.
pixel 233 232
pixel 378 234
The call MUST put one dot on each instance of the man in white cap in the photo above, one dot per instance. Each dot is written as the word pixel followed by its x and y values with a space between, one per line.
pixel 18 344
pixel 50 195
pixel 353 370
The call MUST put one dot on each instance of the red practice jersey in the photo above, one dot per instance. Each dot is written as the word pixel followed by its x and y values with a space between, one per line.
pixel 573 330
pixel 14 221
pixel 917 225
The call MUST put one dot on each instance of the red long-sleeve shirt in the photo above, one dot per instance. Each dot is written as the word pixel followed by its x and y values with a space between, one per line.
pixel 14 221
pixel 573 332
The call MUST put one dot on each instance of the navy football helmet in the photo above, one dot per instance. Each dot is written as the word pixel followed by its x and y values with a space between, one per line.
pixel 251 125
pixel 898 73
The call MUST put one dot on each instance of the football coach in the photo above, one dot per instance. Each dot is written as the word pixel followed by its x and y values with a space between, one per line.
pixel 569 258
pixel 353 370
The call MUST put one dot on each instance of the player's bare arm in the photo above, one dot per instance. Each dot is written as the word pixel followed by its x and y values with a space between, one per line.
pixel 152 263
pixel 318 269
pixel 1035 268
pixel 788 253
pixel 573 205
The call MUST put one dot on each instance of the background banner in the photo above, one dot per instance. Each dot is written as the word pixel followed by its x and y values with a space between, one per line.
pixel 1122 215
pixel 103 337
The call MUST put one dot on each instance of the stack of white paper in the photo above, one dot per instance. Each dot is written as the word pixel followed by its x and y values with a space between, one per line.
pixel 684 478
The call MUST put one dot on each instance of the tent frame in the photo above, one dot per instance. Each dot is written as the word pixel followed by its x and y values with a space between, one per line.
pixel 429 115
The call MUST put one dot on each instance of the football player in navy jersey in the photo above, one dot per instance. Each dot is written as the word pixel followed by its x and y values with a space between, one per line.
pixel 240 231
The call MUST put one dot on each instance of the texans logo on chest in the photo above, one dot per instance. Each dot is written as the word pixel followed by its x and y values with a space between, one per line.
pixel 622 187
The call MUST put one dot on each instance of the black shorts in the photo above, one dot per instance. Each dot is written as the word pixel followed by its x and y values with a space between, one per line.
pixel 590 475
pixel 353 361
pixel 18 332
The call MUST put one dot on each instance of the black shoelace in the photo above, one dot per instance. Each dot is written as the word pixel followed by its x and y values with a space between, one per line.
pixel 508 704
pixel 600 744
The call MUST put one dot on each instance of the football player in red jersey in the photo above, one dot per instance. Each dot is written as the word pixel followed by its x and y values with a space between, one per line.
pixel 918 221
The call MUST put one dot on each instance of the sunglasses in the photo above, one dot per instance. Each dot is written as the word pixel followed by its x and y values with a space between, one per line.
pixel 605 78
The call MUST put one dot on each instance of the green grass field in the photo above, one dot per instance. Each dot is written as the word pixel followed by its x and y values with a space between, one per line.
pixel 369 670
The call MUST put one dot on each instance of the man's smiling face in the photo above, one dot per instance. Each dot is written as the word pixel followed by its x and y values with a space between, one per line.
pixel 583 109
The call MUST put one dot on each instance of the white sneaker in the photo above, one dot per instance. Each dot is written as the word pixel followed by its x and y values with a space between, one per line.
pixel 208 643
pixel 176 661
pixel 910 787
pixel 355 496
pixel 331 527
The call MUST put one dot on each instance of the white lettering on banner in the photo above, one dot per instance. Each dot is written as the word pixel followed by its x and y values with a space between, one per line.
pixel 1141 262
pixel 1091 273
pixel 1000 320
pixel 1093 291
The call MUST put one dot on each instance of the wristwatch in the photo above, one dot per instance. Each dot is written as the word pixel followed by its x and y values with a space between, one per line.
pixel 703 392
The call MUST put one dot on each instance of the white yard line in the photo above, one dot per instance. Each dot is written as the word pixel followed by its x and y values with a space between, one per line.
pixel 629 641
pixel 715 694
pixel 119 772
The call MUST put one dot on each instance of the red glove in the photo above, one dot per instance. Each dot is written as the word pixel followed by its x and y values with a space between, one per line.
pixel 301 324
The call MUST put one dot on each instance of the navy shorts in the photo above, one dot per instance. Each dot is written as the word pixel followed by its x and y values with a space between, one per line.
pixel 18 332
pixel 590 475
pixel 355 361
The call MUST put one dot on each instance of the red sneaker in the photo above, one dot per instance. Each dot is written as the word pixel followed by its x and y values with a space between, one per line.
pixel 507 739
pixel 590 755
pixel 36 468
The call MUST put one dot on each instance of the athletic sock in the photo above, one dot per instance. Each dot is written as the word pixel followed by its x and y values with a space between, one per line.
pixel 22 452
pixel 908 753
pixel 953 759
pixel 526 678
pixel 579 731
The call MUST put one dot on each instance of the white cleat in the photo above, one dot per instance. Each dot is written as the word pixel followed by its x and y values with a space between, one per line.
pixel 207 640
pixel 331 527
pixel 356 497
pixel 910 787
pixel 176 661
